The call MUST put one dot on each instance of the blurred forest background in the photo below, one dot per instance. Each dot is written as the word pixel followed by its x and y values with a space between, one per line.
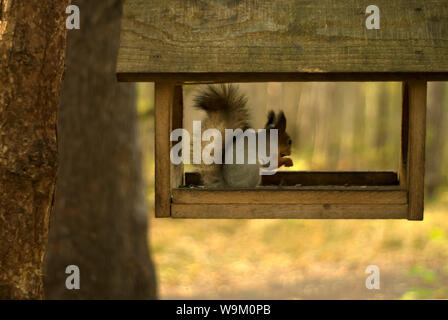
pixel 334 126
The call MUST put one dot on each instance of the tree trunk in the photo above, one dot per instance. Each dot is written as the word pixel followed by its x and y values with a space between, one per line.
pixel 382 119
pixel 32 45
pixel 436 138
pixel 99 221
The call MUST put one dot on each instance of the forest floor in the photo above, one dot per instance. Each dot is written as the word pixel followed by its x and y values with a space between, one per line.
pixel 301 259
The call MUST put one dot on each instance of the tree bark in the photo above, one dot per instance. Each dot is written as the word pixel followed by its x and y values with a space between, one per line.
pixel 32 46
pixel 99 221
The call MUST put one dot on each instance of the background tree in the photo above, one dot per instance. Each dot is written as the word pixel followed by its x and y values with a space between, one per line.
pixel 436 139
pixel 99 221
pixel 31 67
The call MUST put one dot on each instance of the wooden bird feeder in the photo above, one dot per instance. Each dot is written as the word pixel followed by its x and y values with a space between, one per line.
pixel 174 42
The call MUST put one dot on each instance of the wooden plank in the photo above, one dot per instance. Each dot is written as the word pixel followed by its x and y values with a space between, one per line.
pixel 164 95
pixel 177 171
pixel 291 196
pixel 305 178
pixel 289 211
pixel 416 151
pixel 283 36
pixel 404 143
pixel 227 77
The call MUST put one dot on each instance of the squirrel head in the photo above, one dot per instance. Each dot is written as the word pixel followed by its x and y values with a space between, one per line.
pixel 284 140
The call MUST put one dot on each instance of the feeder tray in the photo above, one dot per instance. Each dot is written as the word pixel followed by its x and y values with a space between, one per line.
pixel 176 42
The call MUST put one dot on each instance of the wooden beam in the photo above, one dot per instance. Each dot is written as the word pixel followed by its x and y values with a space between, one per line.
pixel 265 36
pixel 312 178
pixel 341 195
pixel 404 143
pixel 289 211
pixel 416 149
pixel 227 77
pixel 164 97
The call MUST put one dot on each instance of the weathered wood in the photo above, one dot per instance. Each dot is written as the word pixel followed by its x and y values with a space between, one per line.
pixel 289 211
pixel 177 171
pixel 263 36
pixel 416 149
pixel 291 195
pixel 403 165
pixel 312 178
pixel 164 97
pixel 227 77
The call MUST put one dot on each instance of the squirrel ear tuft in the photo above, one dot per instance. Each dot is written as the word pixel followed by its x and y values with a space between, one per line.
pixel 271 119
pixel 281 122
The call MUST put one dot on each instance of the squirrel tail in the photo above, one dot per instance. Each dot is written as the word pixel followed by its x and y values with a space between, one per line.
pixel 226 109
pixel 226 103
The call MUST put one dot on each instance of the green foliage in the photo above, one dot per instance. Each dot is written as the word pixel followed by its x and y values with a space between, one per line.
pixel 145 101
pixel 418 293
pixel 437 233
pixel 427 275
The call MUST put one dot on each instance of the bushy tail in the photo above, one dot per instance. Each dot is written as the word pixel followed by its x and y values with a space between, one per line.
pixel 220 98
pixel 226 103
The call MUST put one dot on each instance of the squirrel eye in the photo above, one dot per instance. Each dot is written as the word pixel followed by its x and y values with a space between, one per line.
pixel 289 141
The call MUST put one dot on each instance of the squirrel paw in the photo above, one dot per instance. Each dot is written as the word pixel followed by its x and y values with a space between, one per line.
pixel 287 162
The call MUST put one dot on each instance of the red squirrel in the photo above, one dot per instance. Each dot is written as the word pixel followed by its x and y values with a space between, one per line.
pixel 226 108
